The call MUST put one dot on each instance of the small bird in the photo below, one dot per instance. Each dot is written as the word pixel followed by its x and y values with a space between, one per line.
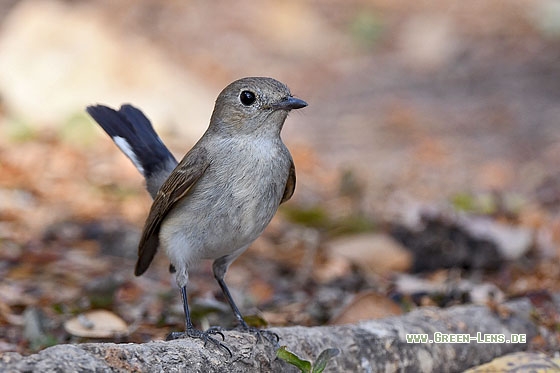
pixel 224 192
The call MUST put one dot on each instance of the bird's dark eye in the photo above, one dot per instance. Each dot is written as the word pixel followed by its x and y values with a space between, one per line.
pixel 247 98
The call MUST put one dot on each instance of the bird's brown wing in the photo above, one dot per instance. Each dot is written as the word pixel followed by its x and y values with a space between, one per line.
pixel 177 185
pixel 290 184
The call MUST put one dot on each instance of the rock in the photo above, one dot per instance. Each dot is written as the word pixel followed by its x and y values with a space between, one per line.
pixel 512 242
pixel 442 238
pixel 34 328
pixel 520 362
pixel 377 345
pixel 482 293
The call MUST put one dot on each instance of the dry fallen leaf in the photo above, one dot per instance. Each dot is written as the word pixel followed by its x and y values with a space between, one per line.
pixel 366 306
pixel 373 252
pixel 97 324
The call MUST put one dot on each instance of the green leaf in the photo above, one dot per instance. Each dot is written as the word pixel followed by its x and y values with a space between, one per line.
pixel 255 321
pixel 367 28
pixel 289 357
pixel 78 130
pixel 18 130
pixel 464 202
pixel 323 359
pixel 314 217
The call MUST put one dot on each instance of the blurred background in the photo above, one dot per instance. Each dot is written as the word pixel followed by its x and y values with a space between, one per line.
pixel 428 160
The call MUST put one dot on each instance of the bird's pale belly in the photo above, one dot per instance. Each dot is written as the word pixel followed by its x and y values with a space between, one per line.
pixel 210 226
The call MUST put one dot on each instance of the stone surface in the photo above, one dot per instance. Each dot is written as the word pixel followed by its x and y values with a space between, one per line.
pixel 378 345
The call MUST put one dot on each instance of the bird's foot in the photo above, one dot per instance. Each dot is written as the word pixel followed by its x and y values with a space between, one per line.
pixel 206 336
pixel 260 334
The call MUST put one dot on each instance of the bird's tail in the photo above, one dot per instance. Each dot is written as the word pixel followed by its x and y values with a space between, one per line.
pixel 133 133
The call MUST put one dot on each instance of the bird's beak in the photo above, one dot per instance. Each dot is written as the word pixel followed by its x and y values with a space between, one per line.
pixel 289 103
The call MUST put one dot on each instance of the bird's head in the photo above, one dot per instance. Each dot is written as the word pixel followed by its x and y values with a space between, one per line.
pixel 253 105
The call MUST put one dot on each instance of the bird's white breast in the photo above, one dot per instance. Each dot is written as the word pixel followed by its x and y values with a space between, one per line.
pixel 231 204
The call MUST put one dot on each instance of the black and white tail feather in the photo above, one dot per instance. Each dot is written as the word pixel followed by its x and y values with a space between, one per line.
pixel 133 133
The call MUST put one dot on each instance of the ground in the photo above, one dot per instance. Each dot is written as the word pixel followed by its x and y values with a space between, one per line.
pixel 450 107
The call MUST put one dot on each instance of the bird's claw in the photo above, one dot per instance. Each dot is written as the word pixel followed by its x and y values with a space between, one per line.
pixel 206 337
pixel 260 333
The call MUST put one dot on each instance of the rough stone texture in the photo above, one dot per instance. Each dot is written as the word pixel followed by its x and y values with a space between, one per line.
pixel 365 347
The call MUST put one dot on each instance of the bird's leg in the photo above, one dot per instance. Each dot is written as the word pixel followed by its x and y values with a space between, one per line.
pixel 219 272
pixel 232 304
pixel 192 332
